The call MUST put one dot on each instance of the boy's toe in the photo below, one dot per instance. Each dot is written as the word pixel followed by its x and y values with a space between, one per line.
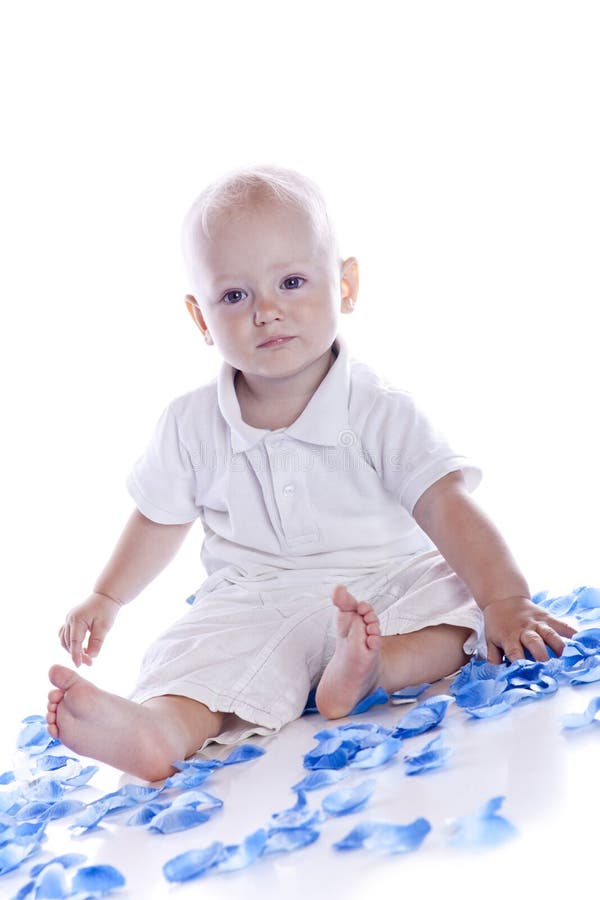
pixel 55 696
pixel 343 599
pixel 62 678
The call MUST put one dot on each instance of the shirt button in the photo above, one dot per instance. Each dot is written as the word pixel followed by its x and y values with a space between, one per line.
pixel 289 489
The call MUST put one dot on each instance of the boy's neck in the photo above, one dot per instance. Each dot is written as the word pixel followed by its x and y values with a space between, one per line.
pixel 277 402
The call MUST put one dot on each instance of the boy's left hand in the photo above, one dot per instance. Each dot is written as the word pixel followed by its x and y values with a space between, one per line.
pixel 516 624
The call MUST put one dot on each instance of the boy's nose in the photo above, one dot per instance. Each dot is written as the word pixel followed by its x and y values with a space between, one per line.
pixel 266 309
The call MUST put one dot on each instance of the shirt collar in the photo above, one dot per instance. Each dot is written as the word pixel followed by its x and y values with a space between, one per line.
pixel 323 421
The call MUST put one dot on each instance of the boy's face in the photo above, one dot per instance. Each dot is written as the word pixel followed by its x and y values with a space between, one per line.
pixel 269 290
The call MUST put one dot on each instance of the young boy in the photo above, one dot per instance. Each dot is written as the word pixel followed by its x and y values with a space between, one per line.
pixel 314 482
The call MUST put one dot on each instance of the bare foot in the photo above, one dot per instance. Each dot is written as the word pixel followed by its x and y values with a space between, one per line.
pixel 354 670
pixel 109 728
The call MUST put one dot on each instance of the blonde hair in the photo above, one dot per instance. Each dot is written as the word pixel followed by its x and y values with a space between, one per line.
pixel 238 188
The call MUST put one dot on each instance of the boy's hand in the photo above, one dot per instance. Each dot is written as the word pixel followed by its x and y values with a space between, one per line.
pixel 95 615
pixel 516 624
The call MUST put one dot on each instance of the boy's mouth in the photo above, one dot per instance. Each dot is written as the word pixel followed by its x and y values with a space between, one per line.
pixel 276 340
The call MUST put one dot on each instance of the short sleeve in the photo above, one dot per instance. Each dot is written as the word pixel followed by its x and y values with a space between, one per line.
pixel 162 481
pixel 415 454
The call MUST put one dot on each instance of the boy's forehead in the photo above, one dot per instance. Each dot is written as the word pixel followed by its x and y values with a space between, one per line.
pixel 274 232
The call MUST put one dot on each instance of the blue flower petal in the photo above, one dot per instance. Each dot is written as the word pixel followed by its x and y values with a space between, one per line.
pixel 139 793
pixel 535 676
pixel 194 863
pixel 432 756
pixel 7 778
pixel 198 799
pixel 319 778
pixel 587 615
pixel 82 779
pixel 589 639
pixel 146 813
pixel 171 820
pixel 336 760
pixel 13 853
pixel 348 800
pixel 61 809
pixel 341 731
pixel 26 832
pixel 377 697
pixel 545 685
pixel 197 763
pixel 364 732
pixel 110 804
pixel 284 840
pixel 66 860
pixel 411 692
pixel 49 762
pixel 481 692
pixel 587 598
pixel 523 672
pixel 25 891
pixel 580 720
pixel 10 802
pixel 11 857
pixel 422 718
pixel 582 602
pixel 299 815
pixel 586 674
pixel 329 741
pixel 97 879
pixel 242 855
pixel 558 606
pixel 243 754
pixel 386 836
pixel 485 828
pixel 52 882
pixel 488 712
pixel 34 737
pixel 372 757
pixel 91 816
pixel 33 810
pixel 189 778
pixel 48 789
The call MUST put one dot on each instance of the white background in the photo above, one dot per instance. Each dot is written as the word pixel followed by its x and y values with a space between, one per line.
pixel 458 146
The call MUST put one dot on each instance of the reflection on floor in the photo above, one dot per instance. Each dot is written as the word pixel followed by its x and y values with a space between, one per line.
pixel 548 776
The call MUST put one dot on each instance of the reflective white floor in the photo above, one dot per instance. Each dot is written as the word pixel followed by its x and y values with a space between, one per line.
pixel 550 779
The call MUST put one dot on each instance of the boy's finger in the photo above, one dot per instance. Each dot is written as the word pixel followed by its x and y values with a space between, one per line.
pixel 62 636
pixel 532 641
pixel 494 655
pixel 96 639
pixel 551 639
pixel 78 632
pixel 514 651
pixel 562 628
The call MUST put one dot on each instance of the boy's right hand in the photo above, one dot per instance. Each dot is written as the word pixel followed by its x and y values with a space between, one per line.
pixel 95 616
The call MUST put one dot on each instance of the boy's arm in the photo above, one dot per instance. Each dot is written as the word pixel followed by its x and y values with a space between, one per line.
pixel 477 552
pixel 142 552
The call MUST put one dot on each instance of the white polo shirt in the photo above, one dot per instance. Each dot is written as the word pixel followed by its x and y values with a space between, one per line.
pixel 332 491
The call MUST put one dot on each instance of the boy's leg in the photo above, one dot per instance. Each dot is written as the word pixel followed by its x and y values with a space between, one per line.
pixel 143 739
pixel 364 659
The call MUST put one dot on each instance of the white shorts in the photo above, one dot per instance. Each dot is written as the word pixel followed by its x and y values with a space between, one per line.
pixel 254 647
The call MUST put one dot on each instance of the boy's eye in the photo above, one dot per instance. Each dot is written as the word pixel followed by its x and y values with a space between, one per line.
pixel 233 296
pixel 295 279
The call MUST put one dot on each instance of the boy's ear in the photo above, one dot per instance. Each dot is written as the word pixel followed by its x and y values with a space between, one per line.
pixel 196 314
pixel 349 283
